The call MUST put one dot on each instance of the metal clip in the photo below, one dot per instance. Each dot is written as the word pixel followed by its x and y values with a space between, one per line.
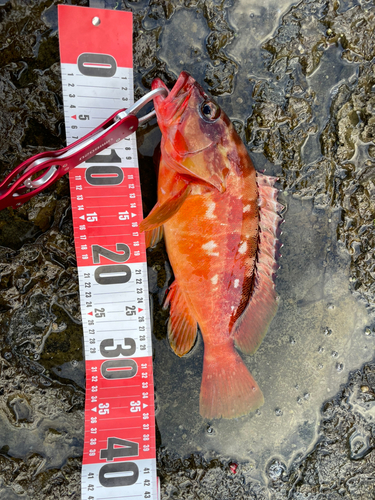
pixel 41 170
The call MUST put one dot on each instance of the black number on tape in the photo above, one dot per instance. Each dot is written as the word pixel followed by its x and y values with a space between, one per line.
pixel 130 310
pixel 119 368
pixel 98 250
pixel 119 350
pixel 97 65
pixel 107 175
pixel 121 473
pixel 112 274
pixel 113 471
pixel 128 449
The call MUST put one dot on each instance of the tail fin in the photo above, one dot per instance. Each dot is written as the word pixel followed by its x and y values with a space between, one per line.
pixel 228 389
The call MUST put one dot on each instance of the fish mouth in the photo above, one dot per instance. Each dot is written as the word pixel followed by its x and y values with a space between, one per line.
pixel 181 81
pixel 168 107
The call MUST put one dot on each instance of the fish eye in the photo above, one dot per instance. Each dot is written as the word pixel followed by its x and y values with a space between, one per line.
pixel 209 111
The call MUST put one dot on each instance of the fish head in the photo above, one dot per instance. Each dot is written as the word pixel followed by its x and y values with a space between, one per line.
pixel 195 131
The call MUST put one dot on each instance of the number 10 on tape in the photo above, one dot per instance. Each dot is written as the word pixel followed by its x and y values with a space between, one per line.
pixel 119 445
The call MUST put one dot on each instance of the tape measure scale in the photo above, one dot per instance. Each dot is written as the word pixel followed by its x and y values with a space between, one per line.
pixel 119 447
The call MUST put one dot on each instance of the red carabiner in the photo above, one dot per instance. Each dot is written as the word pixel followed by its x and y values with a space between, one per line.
pixel 38 172
pixel 19 186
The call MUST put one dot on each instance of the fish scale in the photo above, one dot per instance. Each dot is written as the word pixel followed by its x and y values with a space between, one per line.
pixel 213 207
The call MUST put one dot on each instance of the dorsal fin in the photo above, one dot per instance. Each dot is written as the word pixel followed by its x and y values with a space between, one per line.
pixel 182 327
pixel 252 325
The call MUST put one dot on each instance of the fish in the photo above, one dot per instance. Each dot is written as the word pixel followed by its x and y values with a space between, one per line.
pixel 220 222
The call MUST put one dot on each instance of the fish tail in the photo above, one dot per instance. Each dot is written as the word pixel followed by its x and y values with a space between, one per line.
pixel 228 389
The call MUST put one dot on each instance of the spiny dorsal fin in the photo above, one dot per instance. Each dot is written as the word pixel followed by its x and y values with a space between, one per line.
pixel 253 323
pixel 164 211
pixel 182 327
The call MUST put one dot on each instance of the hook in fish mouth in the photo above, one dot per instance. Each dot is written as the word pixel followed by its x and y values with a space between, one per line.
pixel 172 106
pixel 178 97
pixel 180 83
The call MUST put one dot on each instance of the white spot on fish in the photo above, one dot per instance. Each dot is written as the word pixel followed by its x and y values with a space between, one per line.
pixel 236 283
pixel 209 247
pixel 210 210
pixel 243 247
pixel 246 209
pixel 214 279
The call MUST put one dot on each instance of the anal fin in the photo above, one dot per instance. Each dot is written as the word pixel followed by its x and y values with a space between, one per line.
pixel 182 327
pixel 252 325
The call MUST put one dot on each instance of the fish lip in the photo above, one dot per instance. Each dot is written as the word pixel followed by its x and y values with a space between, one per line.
pixel 158 83
pixel 161 102
pixel 180 83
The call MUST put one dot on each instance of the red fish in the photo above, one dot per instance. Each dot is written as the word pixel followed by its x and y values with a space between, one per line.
pixel 220 221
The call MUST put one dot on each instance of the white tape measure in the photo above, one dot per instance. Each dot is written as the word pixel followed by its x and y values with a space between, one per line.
pixel 119 458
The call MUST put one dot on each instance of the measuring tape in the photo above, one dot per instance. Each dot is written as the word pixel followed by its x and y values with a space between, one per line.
pixel 119 458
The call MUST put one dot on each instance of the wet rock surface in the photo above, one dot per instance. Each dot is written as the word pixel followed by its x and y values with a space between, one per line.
pixel 286 121
pixel 340 466
pixel 302 97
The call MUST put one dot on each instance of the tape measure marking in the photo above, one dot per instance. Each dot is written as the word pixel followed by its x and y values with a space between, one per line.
pixel 119 446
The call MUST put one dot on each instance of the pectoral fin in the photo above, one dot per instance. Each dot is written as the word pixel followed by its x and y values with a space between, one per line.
pixel 154 236
pixel 164 211
pixel 182 327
